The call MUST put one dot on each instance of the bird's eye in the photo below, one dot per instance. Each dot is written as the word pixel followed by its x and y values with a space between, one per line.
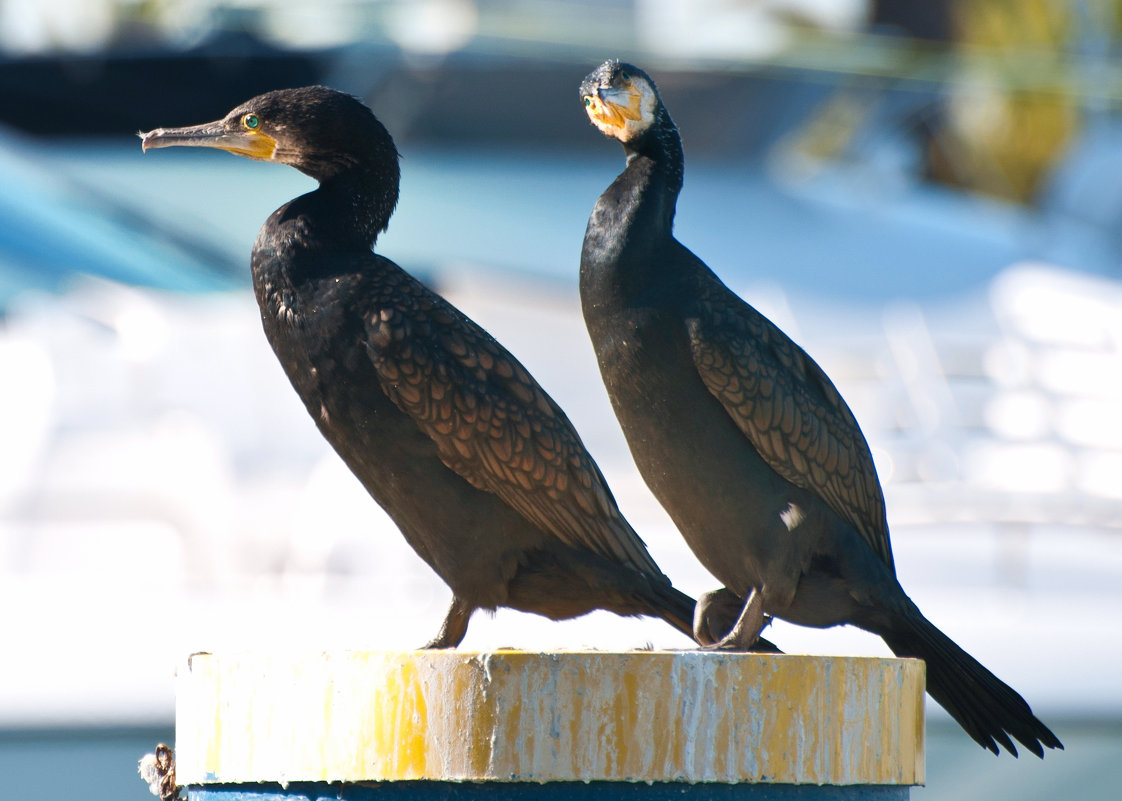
pixel 251 122
pixel 587 101
pixel 624 76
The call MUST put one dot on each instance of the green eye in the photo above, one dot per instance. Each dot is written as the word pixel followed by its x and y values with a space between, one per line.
pixel 587 101
pixel 625 76
pixel 251 122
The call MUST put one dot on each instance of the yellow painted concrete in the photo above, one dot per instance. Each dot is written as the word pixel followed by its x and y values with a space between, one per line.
pixel 587 715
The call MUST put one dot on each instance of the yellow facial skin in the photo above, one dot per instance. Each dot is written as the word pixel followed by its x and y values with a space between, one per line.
pixel 622 112
pixel 252 145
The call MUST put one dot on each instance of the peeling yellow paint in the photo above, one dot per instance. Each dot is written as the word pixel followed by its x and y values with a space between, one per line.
pixel 569 716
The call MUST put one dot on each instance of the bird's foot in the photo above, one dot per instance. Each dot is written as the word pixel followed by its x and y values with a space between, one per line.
pixel 716 612
pixel 454 627
pixel 438 642
pixel 744 635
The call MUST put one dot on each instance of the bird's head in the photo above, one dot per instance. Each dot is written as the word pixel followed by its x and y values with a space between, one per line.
pixel 620 99
pixel 317 130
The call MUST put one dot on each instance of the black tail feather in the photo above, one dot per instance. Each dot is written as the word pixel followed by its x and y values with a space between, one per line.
pixel 987 708
pixel 673 606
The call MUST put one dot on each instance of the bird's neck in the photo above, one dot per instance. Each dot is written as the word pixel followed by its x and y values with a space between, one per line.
pixel 649 185
pixel 355 205
pixel 662 146
pixel 631 226
pixel 344 214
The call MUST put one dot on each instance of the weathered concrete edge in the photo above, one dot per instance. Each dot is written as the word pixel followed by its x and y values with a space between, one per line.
pixel 512 716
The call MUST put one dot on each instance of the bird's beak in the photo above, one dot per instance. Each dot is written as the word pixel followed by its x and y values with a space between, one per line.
pixel 612 108
pixel 251 144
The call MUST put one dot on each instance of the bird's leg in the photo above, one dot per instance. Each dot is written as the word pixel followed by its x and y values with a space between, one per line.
pixel 748 626
pixel 454 627
pixel 722 611
pixel 745 633
pixel 715 613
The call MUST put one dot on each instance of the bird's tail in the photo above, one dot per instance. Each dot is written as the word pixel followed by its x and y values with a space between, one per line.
pixel 986 707
pixel 670 604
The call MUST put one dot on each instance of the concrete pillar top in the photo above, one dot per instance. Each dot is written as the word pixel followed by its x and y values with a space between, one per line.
pixel 514 716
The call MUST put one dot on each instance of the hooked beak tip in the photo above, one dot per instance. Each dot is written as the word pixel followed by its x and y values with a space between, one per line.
pixel 145 139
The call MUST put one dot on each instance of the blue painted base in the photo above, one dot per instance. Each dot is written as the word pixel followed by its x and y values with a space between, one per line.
pixel 554 791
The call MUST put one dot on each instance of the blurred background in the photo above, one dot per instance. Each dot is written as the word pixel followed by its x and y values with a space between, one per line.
pixel 926 196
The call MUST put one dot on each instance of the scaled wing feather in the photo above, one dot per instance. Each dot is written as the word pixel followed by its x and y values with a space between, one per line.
pixel 788 409
pixel 494 426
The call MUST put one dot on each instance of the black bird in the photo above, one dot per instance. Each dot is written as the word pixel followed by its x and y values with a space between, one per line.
pixel 742 437
pixel 475 463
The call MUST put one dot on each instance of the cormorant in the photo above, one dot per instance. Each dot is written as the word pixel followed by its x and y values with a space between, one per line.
pixel 479 468
pixel 742 437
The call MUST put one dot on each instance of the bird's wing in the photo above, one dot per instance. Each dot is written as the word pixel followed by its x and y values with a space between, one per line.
pixel 788 409
pixel 492 423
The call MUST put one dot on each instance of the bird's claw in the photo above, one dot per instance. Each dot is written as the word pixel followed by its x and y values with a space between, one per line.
pixel 744 634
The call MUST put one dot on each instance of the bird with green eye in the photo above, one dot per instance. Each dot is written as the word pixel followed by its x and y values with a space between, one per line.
pixel 743 438
pixel 479 468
